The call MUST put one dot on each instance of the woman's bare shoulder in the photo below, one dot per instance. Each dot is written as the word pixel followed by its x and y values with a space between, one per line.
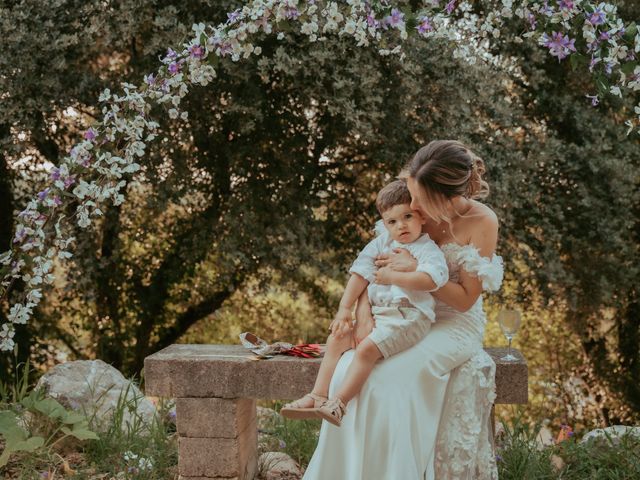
pixel 480 213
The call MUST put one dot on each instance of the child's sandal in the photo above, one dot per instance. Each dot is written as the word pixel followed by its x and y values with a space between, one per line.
pixel 332 411
pixel 296 411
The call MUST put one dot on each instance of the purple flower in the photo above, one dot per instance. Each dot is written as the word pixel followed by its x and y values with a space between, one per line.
pixel 44 475
pixel 594 100
pixel 451 6
pixel 546 9
pixel 170 55
pixel 55 174
pixel 90 134
pixel 291 13
pixel 395 19
pixel 425 26
pixel 372 22
pixel 532 21
pixel 233 17
pixel 150 79
pixel 19 236
pixel 57 201
pixel 282 444
pixel 608 68
pixel 598 17
pixel 196 51
pixel 605 35
pixel 174 68
pixel 498 458
pixel 43 194
pixel 69 181
pixel 225 49
pixel 593 62
pixel 559 45
pixel 86 162
pixel 566 4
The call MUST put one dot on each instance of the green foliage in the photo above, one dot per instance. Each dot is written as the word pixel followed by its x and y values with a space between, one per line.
pixel 518 456
pixel 33 422
pixel 297 438
pixel 144 451
pixel 16 438
pixel 37 433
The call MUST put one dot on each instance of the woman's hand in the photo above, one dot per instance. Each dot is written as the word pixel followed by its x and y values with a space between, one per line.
pixel 399 261
pixel 364 319
pixel 384 276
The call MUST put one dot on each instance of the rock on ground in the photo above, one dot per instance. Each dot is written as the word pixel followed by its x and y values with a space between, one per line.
pixel 614 433
pixel 278 466
pixel 96 388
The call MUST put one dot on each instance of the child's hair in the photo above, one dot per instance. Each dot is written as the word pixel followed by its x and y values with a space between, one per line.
pixel 392 194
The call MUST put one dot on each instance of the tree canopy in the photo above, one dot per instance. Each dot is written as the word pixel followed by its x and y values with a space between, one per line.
pixel 272 178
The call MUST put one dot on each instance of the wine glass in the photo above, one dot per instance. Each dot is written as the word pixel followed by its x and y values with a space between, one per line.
pixel 509 321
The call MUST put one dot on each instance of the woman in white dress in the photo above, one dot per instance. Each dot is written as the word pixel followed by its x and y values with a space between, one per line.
pixel 423 413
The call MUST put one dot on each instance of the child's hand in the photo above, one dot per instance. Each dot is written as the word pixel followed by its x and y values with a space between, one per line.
pixel 384 275
pixel 341 324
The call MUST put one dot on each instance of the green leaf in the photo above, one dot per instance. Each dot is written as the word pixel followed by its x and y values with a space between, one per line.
pixel 630 32
pixel 10 429
pixel 629 67
pixel 29 445
pixel 51 408
pixel 73 417
pixel 80 431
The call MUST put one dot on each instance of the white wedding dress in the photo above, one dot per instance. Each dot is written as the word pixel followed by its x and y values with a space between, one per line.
pixel 423 413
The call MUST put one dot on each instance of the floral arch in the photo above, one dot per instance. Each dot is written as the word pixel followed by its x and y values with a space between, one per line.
pixel 589 34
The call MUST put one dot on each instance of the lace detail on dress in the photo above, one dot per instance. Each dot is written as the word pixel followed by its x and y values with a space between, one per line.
pixel 464 446
pixel 489 270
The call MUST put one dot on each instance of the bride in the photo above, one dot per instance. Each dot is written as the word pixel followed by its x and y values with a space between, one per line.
pixel 423 414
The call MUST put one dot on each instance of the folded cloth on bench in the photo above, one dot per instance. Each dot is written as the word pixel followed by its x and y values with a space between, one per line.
pixel 265 350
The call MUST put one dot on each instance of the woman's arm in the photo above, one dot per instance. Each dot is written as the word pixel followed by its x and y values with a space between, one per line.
pixel 408 280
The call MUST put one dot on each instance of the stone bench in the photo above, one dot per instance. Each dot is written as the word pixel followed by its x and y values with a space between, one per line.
pixel 216 387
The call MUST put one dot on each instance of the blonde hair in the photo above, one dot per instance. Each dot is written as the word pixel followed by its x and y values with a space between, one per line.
pixel 392 194
pixel 446 169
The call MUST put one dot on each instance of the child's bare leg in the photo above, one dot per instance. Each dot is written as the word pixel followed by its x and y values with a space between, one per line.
pixel 335 348
pixel 367 354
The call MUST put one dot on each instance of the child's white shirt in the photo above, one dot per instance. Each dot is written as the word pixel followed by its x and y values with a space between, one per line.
pixel 430 259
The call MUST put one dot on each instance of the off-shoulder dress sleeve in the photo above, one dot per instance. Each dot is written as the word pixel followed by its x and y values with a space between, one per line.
pixel 489 270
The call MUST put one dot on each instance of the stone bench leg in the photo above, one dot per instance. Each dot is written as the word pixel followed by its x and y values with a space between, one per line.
pixel 217 438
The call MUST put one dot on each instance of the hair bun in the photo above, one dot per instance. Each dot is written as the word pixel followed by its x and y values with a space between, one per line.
pixel 477 188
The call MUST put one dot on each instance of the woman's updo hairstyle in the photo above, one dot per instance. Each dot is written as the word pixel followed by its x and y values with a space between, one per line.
pixel 449 168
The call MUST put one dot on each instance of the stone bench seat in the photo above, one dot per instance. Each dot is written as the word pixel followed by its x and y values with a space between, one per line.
pixel 216 388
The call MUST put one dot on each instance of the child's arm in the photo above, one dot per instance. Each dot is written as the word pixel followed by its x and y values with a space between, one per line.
pixel 341 324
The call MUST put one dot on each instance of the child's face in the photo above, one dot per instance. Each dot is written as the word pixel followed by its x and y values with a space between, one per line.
pixel 403 223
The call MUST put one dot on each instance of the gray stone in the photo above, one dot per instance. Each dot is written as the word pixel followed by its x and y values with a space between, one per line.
pixel 215 417
pixel 219 457
pixel 230 371
pixel 278 466
pixel 611 434
pixel 96 388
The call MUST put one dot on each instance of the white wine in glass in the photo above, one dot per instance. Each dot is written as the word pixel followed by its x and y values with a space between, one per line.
pixel 509 321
